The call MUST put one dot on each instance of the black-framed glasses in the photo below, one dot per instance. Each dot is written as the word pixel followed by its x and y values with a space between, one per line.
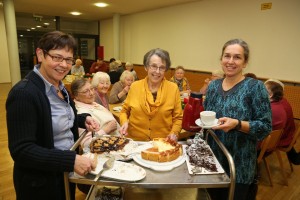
pixel 88 91
pixel 58 58
pixel 155 67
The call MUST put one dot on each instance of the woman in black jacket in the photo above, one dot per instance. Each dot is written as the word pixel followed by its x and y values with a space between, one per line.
pixel 42 124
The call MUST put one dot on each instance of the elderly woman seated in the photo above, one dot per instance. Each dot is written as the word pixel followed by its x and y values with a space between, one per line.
pixel 101 84
pixel 84 95
pixel 181 81
pixel 120 89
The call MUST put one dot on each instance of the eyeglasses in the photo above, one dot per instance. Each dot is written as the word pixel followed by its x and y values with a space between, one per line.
pixel 88 91
pixel 155 67
pixel 57 58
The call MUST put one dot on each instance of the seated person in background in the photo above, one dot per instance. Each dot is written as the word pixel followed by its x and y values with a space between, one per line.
pixel 99 66
pixel 180 80
pixel 217 74
pixel 152 108
pixel 275 89
pixel 251 75
pixel 77 69
pixel 120 66
pixel 84 95
pixel 101 83
pixel 113 72
pixel 120 89
pixel 112 60
pixel 129 67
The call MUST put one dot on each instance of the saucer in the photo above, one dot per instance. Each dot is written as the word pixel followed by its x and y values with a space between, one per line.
pixel 199 123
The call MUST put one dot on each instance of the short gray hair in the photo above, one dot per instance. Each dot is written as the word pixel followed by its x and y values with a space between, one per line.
pixel 98 77
pixel 125 74
pixel 163 54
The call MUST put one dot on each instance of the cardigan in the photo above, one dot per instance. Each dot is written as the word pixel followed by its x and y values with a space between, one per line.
pixel 168 118
pixel 38 166
pixel 246 101
pixel 115 90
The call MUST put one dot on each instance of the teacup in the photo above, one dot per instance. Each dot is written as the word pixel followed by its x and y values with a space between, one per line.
pixel 208 117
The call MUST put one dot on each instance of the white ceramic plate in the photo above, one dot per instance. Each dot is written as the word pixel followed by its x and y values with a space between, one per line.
pixel 164 166
pixel 191 167
pixel 120 171
pixel 199 123
pixel 117 108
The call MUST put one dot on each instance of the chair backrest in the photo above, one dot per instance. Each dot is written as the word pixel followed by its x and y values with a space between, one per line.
pixel 275 137
pixel 296 135
pixel 270 143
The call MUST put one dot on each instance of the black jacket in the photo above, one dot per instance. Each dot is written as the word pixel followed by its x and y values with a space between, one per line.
pixel 38 167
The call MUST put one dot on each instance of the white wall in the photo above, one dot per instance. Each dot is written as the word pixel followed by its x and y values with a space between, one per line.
pixel 194 34
pixel 4 61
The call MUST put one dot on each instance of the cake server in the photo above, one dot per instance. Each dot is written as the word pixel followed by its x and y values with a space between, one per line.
pixel 106 166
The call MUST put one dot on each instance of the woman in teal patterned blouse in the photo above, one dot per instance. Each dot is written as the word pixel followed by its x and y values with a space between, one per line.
pixel 243 108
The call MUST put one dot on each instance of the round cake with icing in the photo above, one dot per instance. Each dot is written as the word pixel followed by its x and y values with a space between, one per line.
pixel 162 151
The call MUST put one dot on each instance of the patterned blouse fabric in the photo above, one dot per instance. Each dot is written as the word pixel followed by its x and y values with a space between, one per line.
pixel 246 101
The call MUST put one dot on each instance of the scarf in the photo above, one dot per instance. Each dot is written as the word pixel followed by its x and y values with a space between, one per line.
pixel 149 106
pixel 179 83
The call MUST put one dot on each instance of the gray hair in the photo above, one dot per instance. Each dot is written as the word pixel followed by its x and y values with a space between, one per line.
pixel 99 76
pixel 77 84
pixel 113 66
pixel 126 74
pixel 163 54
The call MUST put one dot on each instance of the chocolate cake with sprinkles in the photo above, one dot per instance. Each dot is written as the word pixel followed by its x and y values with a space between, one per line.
pixel 200 154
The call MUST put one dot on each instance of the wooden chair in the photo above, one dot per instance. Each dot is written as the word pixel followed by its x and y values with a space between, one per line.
pixel 268 146
pixel 287 149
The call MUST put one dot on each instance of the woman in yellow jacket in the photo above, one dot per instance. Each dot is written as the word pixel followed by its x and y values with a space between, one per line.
pixel 153 107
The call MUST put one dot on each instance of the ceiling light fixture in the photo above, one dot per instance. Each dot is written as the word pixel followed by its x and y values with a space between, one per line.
pixel 38 26
pixel 75 13
pixel 32 28
pixel 46 23
pixel 101 5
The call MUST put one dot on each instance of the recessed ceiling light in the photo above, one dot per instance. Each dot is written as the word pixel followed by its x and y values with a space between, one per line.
pixel 46 23
pixel 21 35
pixel 38 26
pixel 32 28
pixel 76 13
pixel 28 29
pixel 101 5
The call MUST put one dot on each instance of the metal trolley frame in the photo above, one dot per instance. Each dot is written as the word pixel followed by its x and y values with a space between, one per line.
pixel 176 178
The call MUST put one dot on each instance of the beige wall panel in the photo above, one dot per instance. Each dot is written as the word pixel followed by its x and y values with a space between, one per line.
pixel 194 34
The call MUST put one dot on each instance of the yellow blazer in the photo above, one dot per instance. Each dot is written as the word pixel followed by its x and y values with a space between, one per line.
pixel 167 115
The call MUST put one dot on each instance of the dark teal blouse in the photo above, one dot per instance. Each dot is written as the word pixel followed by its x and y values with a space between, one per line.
pixel 246 101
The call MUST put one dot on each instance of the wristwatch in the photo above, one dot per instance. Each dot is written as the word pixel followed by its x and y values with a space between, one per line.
pixel 238 126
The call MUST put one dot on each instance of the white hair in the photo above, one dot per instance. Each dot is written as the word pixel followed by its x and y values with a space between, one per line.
pixel 99 76
pixel 276 81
